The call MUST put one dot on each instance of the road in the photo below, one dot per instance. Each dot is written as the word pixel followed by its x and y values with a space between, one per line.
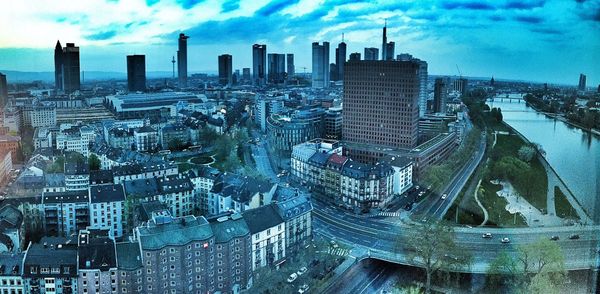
pixel 261 158
pixel 367 276
pixel 380 238
pixel 435 207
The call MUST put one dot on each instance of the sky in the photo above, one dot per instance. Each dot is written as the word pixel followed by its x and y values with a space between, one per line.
pixel 537 40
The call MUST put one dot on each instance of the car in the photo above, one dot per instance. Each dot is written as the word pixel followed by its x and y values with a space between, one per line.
pixel 487 235
pixel 292 277
pixel 421 193
pixel 302 271
pixel 505 240
pixel 333 244
pixel 574 237
pixel 444 196
pixel 554 238
pixel 303 288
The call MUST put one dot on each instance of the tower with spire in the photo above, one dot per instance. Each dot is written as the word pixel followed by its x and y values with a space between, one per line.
pixel 340 59
pixel 58 61
pixel 384 42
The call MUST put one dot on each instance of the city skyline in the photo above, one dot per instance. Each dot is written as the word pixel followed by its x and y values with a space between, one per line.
pixel 511 39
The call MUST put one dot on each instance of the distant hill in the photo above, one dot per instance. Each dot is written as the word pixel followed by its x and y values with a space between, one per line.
pixel 48 76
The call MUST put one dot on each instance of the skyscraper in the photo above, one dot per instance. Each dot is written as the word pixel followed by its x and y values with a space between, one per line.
pixel 320 65
pixel 136 73
pixel 423 93
pixel 276 68
pixel 440 95
pixel 384 43
pixel 259 64
pixel 246 74
pixel 182 72
pixel 291 68
pixel 582 82
pixel 381 111
pixel 354 56
pixel 58 78
pixel 226 70
pixel 371 53
pixel 3 91
pixel 66 68
pixel 461 85
pixel 340 59
pixel 390 49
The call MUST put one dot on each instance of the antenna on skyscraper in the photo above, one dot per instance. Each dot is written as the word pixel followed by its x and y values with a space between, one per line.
pixel 342 37
pixel 173 61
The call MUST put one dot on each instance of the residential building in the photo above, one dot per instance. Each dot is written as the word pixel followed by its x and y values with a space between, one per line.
pixel 295 209
pixel 107 205
pixel 320 65
pixel 267 229
pixel 121 138
pixel 203 179
pixel 174 136
pixel 50 266
pixel 75 138
pixel 43 114
pixel 259 64
pixel 136 73
pixel 10 144
pixel 145 139
pixel 182 73
pixel 65 213
pixel 367 186
pixel 11 229
pixel 226 70
pixel 174 191
pixel 5 167
pixel 146 170
pixel 97 263
pixel 231 192
pixel 77 173
pixel 266 107
pixel 11 273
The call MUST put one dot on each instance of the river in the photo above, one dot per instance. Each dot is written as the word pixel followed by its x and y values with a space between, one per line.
pixel 572 152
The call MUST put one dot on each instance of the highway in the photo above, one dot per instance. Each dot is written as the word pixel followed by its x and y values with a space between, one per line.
pixel 383 240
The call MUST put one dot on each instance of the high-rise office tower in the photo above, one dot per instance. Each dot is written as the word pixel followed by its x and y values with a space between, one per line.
pixel 236 76
pixel 226 70
pixel 440 95
pixel 390 50
pixel 276 68
pixel 354 56
pixel 384 43
pixel 333 71
pixel 371 53
pixel 320 65
pixel 340 59
pixel 58 78
pixel 259 64
pixel 291 68
pixel 423 93
pixel 461 85
pixel 182 72
pixel 582 82
pixel 66 68
pixel 246 74
pixel 136 73
pixel 3 91
pixel 381 111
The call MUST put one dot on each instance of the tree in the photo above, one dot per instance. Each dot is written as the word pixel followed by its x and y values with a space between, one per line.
pixel 526 153
pixel 432 247
pixel 94 162
pixel 537 268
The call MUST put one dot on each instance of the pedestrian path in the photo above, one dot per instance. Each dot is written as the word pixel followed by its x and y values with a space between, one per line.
pixel 338 251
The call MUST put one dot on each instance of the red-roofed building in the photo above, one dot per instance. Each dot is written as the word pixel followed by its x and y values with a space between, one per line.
pixel 10 144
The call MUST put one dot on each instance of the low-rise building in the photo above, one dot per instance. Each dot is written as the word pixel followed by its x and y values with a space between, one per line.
pixel 267 229
pixel 65 213
pixel 145 139
pixel 176 192
pixel 50 267
pixel 295 209
pixel 11 221
pixel 232 192
pixel 77 173
pixel 11 272
pixel 5 167
pixel 107 204
pixel 75 138
pixel 10 144
pixel 148 170
pixel 97 263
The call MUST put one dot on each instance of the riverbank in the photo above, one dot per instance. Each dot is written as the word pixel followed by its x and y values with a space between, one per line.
pixel 562 118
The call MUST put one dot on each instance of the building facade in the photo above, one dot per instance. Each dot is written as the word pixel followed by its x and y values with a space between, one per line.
pixel 320 65
pixel 136 73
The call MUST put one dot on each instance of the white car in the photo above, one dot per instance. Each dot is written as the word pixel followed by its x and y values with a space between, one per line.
pixel 292 277
pixel 302 271
pixel 444 196
pixel 303 288
pixel 505 240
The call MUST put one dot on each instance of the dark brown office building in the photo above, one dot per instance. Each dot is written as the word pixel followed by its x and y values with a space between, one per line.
pixel 66 68
pixel 136 73
pixel 381 103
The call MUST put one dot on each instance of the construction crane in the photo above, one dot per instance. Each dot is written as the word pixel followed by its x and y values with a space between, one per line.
pixel 459 73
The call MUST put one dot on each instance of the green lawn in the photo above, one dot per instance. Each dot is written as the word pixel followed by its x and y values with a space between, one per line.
pixel 563 207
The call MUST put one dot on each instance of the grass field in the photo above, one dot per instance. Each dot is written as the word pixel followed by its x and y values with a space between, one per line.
pixel 563 207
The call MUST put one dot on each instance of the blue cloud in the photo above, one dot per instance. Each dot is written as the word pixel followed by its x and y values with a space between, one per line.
pixel 497 18
pixel 472 5
pixel 230 5
pixel 151 2
pixel 187 4
pixel 275 6
pixel 101 35
pixel 529 19
pixel 524 5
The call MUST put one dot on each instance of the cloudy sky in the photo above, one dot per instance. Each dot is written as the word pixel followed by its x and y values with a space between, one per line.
pixel 548 41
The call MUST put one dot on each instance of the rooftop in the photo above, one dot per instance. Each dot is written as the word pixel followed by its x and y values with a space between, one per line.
pixel 262 218
pixel 107 193
pixel 129 256
pixel 178 232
